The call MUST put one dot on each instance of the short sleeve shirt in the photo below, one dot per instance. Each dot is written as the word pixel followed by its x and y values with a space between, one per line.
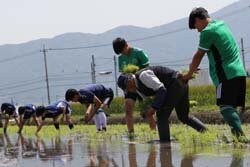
pixel 222 50
pixel 91 90
pixel 136 57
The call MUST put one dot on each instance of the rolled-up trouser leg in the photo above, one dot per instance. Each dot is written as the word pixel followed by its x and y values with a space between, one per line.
pixel 232 118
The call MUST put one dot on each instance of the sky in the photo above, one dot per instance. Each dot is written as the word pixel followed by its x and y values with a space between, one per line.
pixel 26 20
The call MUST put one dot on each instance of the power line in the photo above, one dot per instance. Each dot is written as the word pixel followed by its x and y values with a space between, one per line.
pixel 74 73
pixel 234 12
pixel 43 87
pixel 132 40
pixel 109 44
pixel 38 79
pixel 145 38
pixel 19 56
pixel 34 81
pixel 247 51
pixel 66 79
pixel 23 84
pixel 174 61
pixel 104 64
pixel 22 81
pixel 24 91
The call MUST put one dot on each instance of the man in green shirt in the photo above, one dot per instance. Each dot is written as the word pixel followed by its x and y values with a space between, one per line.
pixel 225 66
pixel 129 55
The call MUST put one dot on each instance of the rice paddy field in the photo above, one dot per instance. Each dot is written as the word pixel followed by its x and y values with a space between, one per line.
pixel 84 146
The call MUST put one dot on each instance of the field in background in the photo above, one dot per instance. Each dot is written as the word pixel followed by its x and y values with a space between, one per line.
pixel 203 96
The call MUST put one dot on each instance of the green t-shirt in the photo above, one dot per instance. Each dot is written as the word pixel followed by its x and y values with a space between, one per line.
pixel 136 57
pixel 222 50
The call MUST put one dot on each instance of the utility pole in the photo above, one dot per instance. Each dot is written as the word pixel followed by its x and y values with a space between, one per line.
pixel 243 53
pixel 12 101
pixel 93 70
pixel 115 68
pixel 46 72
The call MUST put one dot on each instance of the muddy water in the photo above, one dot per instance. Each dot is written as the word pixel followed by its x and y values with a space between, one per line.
pixel 77 151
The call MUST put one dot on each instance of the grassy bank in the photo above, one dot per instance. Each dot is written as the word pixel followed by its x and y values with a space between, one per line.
pixel 202 96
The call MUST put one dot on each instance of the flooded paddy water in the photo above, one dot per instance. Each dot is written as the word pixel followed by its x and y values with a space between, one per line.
pixel 77 149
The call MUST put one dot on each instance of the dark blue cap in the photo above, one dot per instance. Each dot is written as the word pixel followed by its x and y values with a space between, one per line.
pixel 123 80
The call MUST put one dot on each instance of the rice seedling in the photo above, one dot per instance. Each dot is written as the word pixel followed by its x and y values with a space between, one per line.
pixel 190 141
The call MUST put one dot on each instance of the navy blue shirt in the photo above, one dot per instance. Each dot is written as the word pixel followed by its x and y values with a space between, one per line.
pixel 91 90
pixel 31 107
pixel 54 107
pixel 7 107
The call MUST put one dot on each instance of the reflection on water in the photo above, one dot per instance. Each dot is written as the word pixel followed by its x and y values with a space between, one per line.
pixel 18 150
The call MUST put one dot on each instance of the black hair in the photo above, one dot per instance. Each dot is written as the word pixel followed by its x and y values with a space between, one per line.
pixel 200 13
pixel 118 45
pixel 21 110
pixel 40 110
pixel 70 93
pixel 7 107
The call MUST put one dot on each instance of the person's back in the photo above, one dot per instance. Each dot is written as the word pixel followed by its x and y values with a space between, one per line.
pixel 164 74
pixel 27 110
pixel 7 107
pixel 97 90
pixel 8 110
pixel 30 108
pixel 223 52
pixel 55 107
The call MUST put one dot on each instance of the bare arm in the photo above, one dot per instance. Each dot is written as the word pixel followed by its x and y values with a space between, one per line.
pixel 21 124
pixel 91 111
pixel 36 120
pixel 63 114
pixel 88 108
pixel 40 126
pixel 194 64
pixel 88 112
pixel 41 123
pixel 17 122
pixel 97 103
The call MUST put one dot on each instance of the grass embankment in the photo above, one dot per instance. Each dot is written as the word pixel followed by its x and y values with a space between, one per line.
pixel 203 96
pixel 202 101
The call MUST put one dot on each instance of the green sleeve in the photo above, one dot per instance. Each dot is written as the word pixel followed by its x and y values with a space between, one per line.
pixel 143 58
pixel 206 40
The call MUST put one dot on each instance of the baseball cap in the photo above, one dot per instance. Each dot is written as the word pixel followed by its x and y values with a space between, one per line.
pixel 123 80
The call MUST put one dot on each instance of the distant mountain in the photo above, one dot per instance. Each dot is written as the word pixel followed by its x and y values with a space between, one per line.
pixel 23 79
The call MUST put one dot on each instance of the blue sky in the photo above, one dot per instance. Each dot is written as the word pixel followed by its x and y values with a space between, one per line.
pixel 25 20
